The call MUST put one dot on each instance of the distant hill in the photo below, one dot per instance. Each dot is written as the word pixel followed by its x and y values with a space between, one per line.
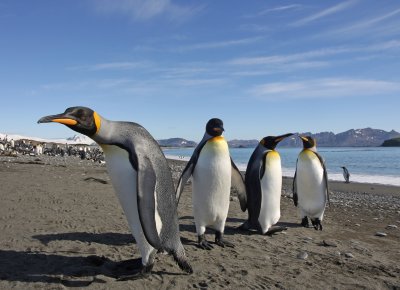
pixel 394 142
pixel 176 142
pixel 243 143
pixel 351 138
pixel 366 137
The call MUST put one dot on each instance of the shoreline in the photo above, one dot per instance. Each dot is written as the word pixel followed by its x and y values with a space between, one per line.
pixel 386 173
pixel 333 184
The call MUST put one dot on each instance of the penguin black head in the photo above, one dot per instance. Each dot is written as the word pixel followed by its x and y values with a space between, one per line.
pixel 215 127
pixel 80 119
pixel 308 142
pixel 270 142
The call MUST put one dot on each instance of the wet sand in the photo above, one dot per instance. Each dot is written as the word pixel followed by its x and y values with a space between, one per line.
pixel 62 227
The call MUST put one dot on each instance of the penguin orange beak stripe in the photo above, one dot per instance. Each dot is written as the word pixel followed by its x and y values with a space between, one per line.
pixel 65 121
pixel 303 138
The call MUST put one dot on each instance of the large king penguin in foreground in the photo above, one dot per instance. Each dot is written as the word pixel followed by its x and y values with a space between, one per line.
pixel 264 185
pixel 213 172
pixel 141 178
pixel 310 184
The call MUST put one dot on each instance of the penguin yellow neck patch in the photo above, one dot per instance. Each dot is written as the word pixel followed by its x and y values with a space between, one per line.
pixel 97 121
pixel 217 139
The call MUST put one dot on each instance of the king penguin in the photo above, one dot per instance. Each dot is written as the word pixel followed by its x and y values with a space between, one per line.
pixel 141 178
pixel 264 185
pixel 310 184
pixel 213 172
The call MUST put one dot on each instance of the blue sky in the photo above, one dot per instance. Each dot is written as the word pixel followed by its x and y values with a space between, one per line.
pixel 263 67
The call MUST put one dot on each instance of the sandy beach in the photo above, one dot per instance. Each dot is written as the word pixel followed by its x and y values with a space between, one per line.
pixel 62 227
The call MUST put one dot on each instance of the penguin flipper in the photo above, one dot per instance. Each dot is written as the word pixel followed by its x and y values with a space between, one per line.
pixel 294 188
pixel 325 176
pixel 146 186
pixel 253 187
pixel 295 198
pixel 238 183
pixel 189 168
pixel 186 174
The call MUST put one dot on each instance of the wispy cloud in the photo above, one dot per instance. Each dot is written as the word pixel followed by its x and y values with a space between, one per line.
pixel 313 54
pixel 112 66
pixel 324 13
pixel 256 27
pixel 282 68
pixel 220 44
pixel 274 9
pixel 324 88
pixel 275 59
pixel 392 44
pixel 366 24
pixel 142 10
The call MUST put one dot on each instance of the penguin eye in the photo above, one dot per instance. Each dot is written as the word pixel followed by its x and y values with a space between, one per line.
pixel 81 114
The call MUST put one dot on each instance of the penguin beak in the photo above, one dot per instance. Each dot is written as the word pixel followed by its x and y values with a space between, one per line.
pixel 60 118
pixel 303 138
pixel 219 129
pixel 280 138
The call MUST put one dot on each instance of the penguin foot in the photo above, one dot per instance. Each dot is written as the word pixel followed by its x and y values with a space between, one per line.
pixel 317 224
pixel 140 273
pixel 245 226
pixel 275 229
pixel 304 222
pixel 220 241
pixel 203 243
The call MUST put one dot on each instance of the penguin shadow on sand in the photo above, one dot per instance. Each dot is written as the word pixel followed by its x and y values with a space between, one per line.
pixel 75 268
pixel 110 239
pixel 71 271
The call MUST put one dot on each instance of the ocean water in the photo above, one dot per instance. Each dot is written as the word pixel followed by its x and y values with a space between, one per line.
pixel 365 164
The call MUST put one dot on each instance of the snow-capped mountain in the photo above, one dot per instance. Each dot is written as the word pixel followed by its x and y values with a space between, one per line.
pixel 81 139
pixel 76 139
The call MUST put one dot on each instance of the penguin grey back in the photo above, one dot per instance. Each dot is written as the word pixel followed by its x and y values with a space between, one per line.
pixel 252 181
pixel 148 160
pixel 154 185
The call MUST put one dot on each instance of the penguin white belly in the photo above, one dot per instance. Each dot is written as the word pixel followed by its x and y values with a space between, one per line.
pixel 124 180
pixel 311 188
pixel 271 187
pixel 211 183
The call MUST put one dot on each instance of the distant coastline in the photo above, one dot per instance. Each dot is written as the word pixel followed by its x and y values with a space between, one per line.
pixel 366 137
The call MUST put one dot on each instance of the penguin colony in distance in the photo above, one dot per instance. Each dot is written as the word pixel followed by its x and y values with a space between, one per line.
pixel 213 172
pixel 264 185
pixel 310 184
pixel 141 178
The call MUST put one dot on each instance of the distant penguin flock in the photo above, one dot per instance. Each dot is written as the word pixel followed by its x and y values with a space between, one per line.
pixel 144 186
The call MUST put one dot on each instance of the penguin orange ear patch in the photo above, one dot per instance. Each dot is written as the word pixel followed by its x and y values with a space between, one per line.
pixel 97 121
pixel 66 121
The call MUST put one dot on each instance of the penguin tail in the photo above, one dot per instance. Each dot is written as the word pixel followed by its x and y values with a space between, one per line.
pixel 295 198
pixel 181 259
pixel 182 262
